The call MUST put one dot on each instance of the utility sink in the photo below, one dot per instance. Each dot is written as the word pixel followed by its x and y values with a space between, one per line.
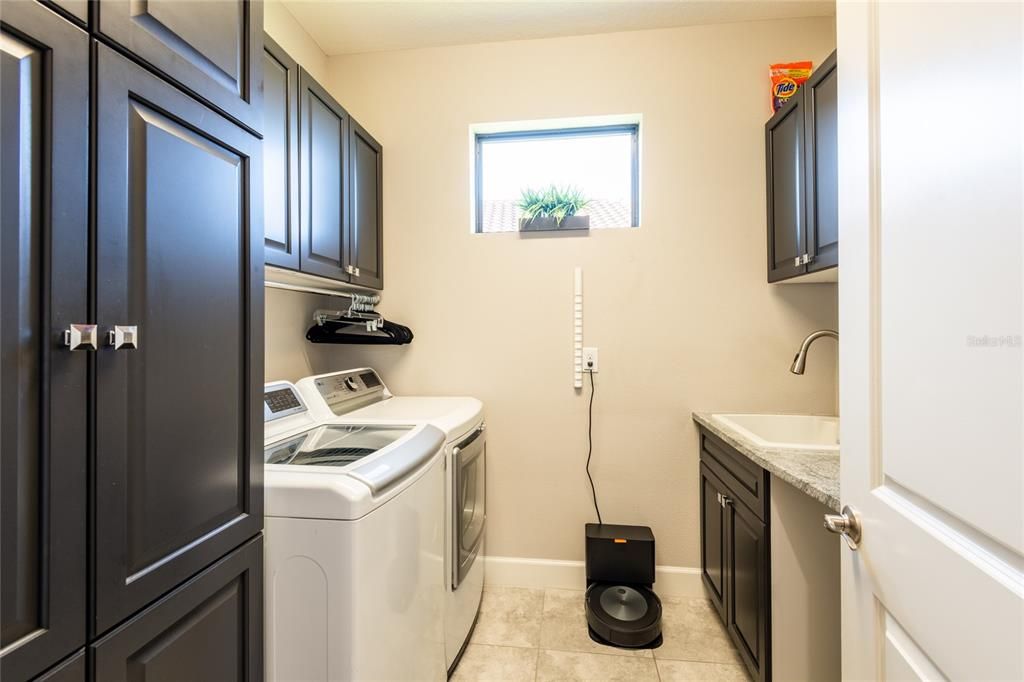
pixel 790 431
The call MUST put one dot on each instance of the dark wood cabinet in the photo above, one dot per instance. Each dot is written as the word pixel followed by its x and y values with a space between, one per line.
pixel 712 538
pixel 43 290
pixel 125 470
pixel 821 119
pixel 324 172
pixel 323 182
pixel 801 159
pixel 178 435
pixel 210 628
pixel 72 669
pixel 280 157
pixel 366 174
pixel 735 552
pixel 212 48
pixel 747 569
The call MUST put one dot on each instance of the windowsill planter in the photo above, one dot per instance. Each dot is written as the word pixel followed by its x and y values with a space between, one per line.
pixel 549 224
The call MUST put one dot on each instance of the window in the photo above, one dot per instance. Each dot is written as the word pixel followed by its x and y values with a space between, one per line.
pixel 601 162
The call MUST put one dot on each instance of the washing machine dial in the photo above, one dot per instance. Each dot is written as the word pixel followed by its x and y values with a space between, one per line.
pixel 351 383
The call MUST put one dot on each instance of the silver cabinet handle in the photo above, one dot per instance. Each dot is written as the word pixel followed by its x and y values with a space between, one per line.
pixel 123 336
pixel 846 524
pixel 80 337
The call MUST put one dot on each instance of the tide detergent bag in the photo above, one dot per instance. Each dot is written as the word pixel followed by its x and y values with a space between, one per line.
pixel 786 80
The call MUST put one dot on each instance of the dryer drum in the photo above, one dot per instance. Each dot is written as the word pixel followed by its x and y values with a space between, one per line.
pixel 623 615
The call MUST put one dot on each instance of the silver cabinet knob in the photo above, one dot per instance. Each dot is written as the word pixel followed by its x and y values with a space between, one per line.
pixel 846 524
pixel 123 336
pixel 80 337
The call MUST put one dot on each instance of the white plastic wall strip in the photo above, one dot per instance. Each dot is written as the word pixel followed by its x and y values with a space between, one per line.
pixel 577 332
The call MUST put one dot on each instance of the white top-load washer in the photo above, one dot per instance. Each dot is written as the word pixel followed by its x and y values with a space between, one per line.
pixel 354 552
pixel 331 397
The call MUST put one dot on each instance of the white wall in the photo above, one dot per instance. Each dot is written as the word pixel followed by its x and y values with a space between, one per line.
pixel 679 307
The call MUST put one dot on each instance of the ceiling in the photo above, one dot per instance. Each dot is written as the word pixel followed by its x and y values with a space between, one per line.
pixel 354 26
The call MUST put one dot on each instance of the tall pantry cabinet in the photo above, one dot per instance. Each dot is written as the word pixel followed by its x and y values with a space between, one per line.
pixel 131 318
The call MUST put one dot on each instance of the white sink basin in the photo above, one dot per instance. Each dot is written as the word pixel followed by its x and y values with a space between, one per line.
pixel 791 431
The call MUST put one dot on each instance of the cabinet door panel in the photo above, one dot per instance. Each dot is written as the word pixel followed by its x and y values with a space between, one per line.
pixel 784 140
pixel 748 588
pixel 366 202
pixel 323 177
pixel 821 112
pixel 280 157
pixel 71 670
pixel 712 538
pixel 43 289
pixel 208 629
pixel 213 48
pixel 178 434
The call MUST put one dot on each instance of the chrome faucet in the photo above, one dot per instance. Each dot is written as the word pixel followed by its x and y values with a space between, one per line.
pixel 800 361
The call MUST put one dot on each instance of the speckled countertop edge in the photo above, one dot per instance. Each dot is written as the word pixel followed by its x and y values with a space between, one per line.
pixel 815 472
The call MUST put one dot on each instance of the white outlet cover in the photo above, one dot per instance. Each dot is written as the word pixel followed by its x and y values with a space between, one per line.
pixel 590 356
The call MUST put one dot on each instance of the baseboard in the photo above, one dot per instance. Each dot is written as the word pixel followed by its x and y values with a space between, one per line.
pixel 670 581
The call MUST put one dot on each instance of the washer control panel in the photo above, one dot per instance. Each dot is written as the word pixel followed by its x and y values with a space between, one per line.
pixel 346 391
pixel 281 399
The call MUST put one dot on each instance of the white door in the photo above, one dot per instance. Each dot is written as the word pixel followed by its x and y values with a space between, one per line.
pixel 930 299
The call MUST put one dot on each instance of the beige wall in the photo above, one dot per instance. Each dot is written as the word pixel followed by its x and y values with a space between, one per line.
pixel 289 34
pixel 679 307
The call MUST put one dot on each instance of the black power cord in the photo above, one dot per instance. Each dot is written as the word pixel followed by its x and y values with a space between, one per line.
pixel 590 444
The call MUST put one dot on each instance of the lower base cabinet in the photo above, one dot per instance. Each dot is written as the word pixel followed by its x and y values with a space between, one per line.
pixel 735 552
pixel 210 628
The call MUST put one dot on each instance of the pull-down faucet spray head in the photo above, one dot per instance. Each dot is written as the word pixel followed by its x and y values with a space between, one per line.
pixel 800 361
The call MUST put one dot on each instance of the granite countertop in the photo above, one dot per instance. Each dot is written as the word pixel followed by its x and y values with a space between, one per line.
pixel 815 472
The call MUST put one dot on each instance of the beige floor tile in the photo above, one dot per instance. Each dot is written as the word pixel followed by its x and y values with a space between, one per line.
pixel 482 662
pixel 692 631
pixel 566 665
pixel 509 616
pixel 564 627
pixel 693 671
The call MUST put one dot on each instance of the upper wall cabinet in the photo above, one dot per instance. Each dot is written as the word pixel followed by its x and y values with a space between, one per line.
pixel 280 157
pixel 211 48
pixel 366 170
pixel 801 143
pixel 323 191
pixel 323 182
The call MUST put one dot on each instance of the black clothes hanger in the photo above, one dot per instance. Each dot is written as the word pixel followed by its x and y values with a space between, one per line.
pixel 355 331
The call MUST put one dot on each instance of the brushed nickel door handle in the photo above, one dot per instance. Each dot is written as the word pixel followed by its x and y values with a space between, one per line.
pixel 846 524
pixel 123 336
pixel 80 337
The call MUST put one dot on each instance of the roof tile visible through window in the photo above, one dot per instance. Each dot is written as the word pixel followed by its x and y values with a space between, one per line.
pixel 503 215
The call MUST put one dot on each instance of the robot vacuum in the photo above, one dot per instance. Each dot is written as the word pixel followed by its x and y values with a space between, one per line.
pixel 622 609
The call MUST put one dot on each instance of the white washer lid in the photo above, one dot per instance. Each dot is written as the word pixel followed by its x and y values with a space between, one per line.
pixel 454 415
pixel 353 491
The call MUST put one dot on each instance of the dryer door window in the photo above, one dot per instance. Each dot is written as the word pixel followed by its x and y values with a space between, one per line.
pixel 469 499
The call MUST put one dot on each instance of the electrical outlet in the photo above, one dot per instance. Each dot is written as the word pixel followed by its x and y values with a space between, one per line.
pixel 590 359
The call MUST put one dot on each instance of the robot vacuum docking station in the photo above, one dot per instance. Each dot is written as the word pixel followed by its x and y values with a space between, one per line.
pixel 622 609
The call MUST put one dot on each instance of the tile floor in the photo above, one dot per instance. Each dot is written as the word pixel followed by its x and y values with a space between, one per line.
pixel 539 635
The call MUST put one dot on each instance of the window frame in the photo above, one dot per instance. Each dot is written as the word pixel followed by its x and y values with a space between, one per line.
pixel 633 129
